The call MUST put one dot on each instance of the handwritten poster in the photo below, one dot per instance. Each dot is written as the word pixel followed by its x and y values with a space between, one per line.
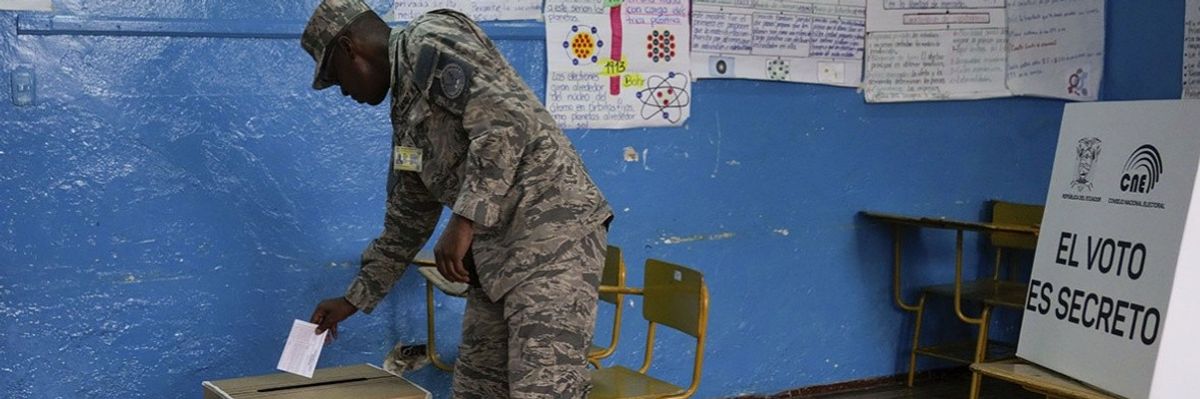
pixel 618 64
pixel 919 50
pixel 812 41
pixel 479 10
pixel 1056 48
pixel 1191 50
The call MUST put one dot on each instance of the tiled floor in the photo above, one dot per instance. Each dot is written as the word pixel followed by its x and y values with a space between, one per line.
pixel 953 387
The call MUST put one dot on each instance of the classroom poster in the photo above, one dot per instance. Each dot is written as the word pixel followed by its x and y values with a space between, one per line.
pixel 618 64
pixel 479 10
pixel 919 50
pixel 1191 50
pixel 1115 287
pixel 1056 48
pixel 810 41
pixel 935 50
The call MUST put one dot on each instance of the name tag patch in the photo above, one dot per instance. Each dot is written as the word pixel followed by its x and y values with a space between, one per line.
pixel 407 159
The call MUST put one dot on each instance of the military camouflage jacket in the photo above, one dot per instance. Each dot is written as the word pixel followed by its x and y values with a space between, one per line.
pixel 487 149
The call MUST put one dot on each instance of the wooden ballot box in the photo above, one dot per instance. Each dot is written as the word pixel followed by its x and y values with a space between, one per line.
pixel 351 382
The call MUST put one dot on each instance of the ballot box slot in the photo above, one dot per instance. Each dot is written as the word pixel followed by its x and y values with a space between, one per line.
pixel 315 384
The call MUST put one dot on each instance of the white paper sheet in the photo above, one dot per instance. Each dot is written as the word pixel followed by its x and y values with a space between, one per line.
pixel 479 10
pixel 302 350
pixel 935 65
pixel 1056 48
pixel 811 41
pixel 917 52
pixel 970 49
pixel 26 5
pixel 1191 50
pixel 618 64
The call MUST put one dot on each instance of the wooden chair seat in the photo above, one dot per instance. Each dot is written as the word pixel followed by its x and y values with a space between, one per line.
pixel 1010 294
pixel 621 382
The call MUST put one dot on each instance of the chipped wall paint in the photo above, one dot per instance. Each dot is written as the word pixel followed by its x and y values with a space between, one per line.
pixel 631 155
pixel 672 240
pixel 171 203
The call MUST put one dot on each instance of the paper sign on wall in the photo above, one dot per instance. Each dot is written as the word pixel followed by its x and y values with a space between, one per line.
pixel 618 64
pixel 971 49
pixel 26 5
pixel 1056 48
pixel 1191 50
pixel 479 10
pixel 1115 289
pixel 810 41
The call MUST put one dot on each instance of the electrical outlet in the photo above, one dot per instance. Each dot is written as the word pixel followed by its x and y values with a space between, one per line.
pixel 24 86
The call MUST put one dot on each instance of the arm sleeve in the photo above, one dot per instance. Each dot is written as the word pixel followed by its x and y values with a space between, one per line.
pixel 412 214
pixel 497 110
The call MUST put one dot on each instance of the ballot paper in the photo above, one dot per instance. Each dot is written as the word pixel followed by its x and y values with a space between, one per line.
pixel 302 350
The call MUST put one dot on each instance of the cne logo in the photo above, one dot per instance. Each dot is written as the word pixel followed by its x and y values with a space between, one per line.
pixel 1142 170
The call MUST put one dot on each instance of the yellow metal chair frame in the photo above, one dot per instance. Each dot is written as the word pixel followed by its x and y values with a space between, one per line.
pixel 1013 226
pixel 431 344
pixel 1040 380
pixel 674 296
pixel 612 276
pixel 430 330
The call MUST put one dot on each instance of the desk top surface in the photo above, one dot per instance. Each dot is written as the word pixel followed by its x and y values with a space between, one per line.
pixel 942 222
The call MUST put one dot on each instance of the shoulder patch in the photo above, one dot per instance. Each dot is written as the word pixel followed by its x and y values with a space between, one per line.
pixel 453 80
pixel 453 86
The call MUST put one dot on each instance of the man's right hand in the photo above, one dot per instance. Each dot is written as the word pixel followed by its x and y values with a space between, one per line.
pixel 329 313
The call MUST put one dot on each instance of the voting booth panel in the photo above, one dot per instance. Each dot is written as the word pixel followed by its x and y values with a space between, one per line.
pixel 1112 297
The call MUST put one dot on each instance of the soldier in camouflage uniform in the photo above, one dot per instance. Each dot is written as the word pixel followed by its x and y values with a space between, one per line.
pixel 529 227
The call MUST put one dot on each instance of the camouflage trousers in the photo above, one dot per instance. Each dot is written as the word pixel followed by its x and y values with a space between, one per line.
pixel 533 342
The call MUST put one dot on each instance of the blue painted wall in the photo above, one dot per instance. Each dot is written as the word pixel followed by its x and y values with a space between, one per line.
pixel 172 202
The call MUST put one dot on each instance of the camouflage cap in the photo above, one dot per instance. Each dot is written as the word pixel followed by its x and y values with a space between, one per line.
pixel 328 21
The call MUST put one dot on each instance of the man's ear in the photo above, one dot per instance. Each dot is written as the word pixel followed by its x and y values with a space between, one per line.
pixel 347 46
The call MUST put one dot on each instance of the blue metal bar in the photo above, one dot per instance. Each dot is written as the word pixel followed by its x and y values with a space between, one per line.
pixel 71 25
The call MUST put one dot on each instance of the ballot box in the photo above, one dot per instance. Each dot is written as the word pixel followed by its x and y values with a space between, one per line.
pixel 351 382
pixel 1114 299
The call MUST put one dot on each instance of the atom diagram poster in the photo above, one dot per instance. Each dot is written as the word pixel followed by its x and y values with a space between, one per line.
pixel 479 10
pixel 804 41
pixel 616 64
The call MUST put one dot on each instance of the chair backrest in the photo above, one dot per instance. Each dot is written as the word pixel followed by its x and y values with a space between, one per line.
pixel 613 274
pixel 675 296
pixel 1020 214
